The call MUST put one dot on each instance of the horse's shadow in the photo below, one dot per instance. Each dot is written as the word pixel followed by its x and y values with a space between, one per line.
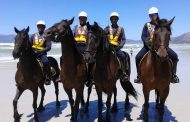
pixel 153 114
pixel 50 111
pixel 118 116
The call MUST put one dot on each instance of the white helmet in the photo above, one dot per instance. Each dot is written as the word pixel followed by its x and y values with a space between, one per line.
pixel 153 10
pixel 83 14
pixel 114 14
pixel 41 22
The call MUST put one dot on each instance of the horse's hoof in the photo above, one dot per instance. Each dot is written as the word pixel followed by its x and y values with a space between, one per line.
pixel 114 109
pixel 17 117
pixel 58 104
pixel 36 119
pixel 126 106
pixel 40 108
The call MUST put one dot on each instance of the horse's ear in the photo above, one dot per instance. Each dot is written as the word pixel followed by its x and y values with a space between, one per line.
pixel 16 30
pixel 71 21
pixel 95 23
pixel 27 29
pixel 171 21
pixel 89 26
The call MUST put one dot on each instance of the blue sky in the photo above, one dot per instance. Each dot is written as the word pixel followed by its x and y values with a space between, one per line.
pixel 133 13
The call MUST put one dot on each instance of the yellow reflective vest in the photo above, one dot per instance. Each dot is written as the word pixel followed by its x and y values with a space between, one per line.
pixel 151 31
pixel 80 33
pixel 38 44
pixel 114 39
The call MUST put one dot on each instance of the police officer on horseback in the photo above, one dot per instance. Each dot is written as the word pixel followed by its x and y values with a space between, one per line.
pixel 116 37
pixel 80 32
pixel 41 46
pixel 147 38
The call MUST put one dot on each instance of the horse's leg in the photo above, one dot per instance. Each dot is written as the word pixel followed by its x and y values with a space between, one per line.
pixel 43 91
pixel 71 101
pixel 87 101
pixel 108 104
pixel 127 101
pixel 82 99
pixel 157 98
pixel 99 93
pixel 114 106
pixel 56 85
pixel 79 94
pixel 35 96
pixel 163 96
pixel 17 116
pixel 146 93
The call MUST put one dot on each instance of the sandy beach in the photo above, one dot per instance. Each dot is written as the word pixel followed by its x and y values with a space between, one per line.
pixel 177 106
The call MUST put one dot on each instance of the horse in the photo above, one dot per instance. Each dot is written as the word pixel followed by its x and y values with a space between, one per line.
pixel 105 70
pixel 29 74
pixel 156 68
pixel 73 67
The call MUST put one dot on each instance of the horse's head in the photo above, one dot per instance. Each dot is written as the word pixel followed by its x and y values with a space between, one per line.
pixel 21 43
pixel 59 31
pixel 94 37
pixel 162 37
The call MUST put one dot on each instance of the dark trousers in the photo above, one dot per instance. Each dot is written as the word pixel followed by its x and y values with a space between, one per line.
pixel 144 50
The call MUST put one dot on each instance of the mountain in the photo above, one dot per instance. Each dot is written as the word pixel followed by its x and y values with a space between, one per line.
pixel 182 39
pixel 6 38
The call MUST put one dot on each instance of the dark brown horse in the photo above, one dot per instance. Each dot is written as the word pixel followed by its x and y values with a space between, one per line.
pixel 156 68
pixel 105 70
pixel 73 68
pixel 29 74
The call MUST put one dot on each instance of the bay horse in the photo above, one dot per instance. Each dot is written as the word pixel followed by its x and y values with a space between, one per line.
pixel 73 67
pixel 106 69
pixel 29 74
pixel 156 68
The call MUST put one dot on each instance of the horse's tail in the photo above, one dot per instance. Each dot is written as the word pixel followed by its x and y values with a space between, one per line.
pixel 54 64
pixel 128 87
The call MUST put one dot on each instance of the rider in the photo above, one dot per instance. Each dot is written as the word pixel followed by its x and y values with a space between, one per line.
pixel 116 36
pixel 147 36
pixel 41 47
pixel 80 32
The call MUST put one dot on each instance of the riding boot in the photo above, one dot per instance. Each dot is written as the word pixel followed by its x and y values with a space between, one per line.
pixel 175 78
pixel 137 80
pixel 47 72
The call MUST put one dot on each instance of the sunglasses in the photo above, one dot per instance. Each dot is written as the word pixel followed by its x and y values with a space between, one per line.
pixel 152 15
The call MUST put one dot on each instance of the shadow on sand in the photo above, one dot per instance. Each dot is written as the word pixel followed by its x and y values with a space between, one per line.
pixel 50 111
pixel 153 114
pixel 92 115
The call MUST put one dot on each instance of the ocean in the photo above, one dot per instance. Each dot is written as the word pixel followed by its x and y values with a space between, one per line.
pixel 7 48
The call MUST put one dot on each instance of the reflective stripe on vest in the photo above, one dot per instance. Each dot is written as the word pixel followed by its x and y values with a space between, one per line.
pixel 114 39
pixel 151 31
pixel 80 33
pixel 38 43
